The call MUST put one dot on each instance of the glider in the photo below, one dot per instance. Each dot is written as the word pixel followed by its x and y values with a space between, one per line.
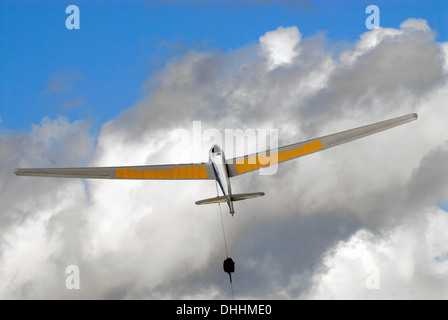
pixel 218 168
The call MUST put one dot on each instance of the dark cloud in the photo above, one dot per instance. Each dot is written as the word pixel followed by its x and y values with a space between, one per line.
pixel 429 182
pixel 401 69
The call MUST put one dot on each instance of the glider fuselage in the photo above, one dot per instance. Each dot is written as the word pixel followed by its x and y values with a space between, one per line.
pixel 218 161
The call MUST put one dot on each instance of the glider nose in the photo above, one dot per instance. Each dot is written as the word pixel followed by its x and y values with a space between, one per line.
pixel 215 149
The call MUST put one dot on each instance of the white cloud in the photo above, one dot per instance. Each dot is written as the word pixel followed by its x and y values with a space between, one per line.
pixel 415 24
pixel 405 260
pixel 444 48
pixel 327 215
pixel 280 45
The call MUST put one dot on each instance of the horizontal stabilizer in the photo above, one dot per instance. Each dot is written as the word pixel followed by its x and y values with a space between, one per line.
pixel 212 200
pixel 244 196
pixel 235 197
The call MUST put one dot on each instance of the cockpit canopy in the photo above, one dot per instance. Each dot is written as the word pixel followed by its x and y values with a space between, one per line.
pixel 216 150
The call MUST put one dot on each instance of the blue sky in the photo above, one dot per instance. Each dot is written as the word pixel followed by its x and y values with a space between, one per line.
pixel 100 70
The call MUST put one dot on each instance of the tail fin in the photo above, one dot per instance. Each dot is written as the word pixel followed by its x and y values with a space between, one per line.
pixel 235 197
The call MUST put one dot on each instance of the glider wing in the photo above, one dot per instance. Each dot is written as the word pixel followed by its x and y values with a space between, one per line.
pixel 252 162
pixel 191 171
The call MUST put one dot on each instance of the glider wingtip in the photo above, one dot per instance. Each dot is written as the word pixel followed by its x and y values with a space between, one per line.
pixel 20 172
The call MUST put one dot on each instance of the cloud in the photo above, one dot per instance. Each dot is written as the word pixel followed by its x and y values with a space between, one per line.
pixel 63 82
pixel 280 45
pixel 31 239
pixel 74 103
pixel 406 265
pixel 324 218
pixel 387 68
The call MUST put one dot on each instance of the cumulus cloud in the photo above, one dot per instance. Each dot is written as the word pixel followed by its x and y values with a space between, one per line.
pixel 325 220
pixel 280 45
pixel 407 263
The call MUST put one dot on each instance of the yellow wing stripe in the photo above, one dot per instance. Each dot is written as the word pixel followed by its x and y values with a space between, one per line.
pixel 202 172
pixel 188 173
pixel 181 173
pixel 244 165
pixel 195 172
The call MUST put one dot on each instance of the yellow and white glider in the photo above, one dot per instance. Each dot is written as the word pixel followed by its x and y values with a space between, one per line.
pixel 218 168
